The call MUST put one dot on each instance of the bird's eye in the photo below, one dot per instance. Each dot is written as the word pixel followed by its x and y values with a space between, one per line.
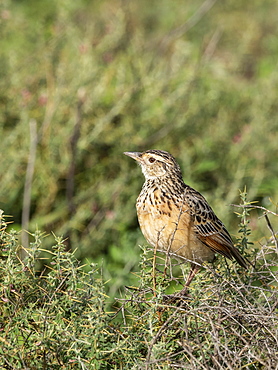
pixel 151 159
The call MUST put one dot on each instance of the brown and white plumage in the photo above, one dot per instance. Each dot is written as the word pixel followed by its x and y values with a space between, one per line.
pixel 176 218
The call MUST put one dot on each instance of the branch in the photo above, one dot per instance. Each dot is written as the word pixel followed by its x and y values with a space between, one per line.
pixel 70 182
pixel 28 182
pixel 190 23
pixel 271 230
pixel 252 206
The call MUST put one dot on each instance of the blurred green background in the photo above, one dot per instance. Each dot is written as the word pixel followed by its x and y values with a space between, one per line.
pixel 82 81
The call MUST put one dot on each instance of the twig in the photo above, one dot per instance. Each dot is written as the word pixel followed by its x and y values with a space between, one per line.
pixel 253 206
pixel 1 218
pixel 191 22
pixel 28 182
pixel 154 265
pixel 158 334
pixel 211 47
pixel 73 146
pixel 271 230
pixel 71 172
pixel 266 211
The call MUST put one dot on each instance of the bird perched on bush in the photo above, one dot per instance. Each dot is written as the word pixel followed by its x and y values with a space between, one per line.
pixel 177 219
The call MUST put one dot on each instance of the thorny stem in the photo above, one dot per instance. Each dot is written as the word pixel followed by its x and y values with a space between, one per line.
pixel 272 231
pixel 253 206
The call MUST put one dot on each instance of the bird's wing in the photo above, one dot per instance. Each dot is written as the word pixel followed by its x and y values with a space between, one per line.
pixel 209 229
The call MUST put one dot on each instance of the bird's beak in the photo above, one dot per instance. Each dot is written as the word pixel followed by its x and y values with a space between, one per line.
pixel 134 155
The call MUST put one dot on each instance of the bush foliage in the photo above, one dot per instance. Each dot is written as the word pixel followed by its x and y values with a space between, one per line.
pixel 56 319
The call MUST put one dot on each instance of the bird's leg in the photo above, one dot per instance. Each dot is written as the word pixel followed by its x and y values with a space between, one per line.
pixel 177 297
pixel 193 271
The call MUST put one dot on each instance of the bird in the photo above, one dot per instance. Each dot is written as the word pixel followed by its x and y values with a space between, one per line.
pixel 176 219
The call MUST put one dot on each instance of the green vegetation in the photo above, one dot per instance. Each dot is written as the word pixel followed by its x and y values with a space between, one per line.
pixel 81 82
pixel 56 319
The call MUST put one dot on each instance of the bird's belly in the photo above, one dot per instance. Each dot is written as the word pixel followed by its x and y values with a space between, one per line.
pixel 173 234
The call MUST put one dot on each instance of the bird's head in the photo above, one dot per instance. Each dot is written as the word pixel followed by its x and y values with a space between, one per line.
pixel 156 163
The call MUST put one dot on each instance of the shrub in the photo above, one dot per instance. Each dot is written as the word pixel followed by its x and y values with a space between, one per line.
pixel 58 318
